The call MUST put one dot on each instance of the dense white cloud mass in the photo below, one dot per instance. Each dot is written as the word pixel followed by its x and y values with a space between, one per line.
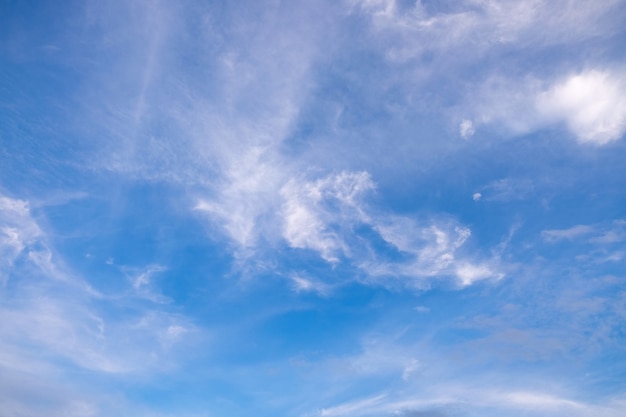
pixel 314 208
pixel 592 104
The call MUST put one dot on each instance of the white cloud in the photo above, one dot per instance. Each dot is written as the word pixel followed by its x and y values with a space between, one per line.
pixel 592 104
pixel 466 129
pixel 618 234
pixel 18 234
pixel 245 197
pixel 357 407
pixel 44 398
pixel 141 281
pixel 50 314
pixel 476 196
pixel 304 229
pixel 420 379
pixel 433 249
pixel 412 367
pixel 422 309
pixel 266 204
pixel 472 28
pixel 485 401
pixel 214 126
pixel 429 242
pixel 601 234
pixel 231 144
pixel 323 215
pixel 568 234
pixel 302 284
pixel 538 400
pixel 469 273
pixel 316 212
pixel 507 189
pixel 143 278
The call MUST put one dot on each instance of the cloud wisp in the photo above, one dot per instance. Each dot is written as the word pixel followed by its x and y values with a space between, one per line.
pixel 55 322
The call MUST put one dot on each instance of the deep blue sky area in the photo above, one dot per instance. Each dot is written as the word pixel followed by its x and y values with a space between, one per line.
pixel 354 208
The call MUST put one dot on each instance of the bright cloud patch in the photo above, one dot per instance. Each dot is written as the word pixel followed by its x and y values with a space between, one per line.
pixel 468 274
pixel 316 214
pixel 592 104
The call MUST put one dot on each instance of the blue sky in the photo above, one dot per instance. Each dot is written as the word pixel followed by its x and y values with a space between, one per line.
pixel 345 208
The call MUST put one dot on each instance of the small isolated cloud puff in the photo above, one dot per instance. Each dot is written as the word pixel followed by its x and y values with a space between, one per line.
pixel 592 104
pixel 466 129
pixel 422 309
pixel 412 367
pixel 468 273
pixel 476 196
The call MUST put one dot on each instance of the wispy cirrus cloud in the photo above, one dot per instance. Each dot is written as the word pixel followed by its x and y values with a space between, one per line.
pixel 506 190
pixel 330 215
pixel 55 322
pixel 607 233
pixel 488 24
pixel 571 233
pixel 437 39
pixel 18 231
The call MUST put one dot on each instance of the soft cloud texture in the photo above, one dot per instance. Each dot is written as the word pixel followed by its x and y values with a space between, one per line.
pixel 52 317
pixel 317 214
pixel 20 235
pixel 359 208
pixel 591 104
pixel 571 233
pixel 466 129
